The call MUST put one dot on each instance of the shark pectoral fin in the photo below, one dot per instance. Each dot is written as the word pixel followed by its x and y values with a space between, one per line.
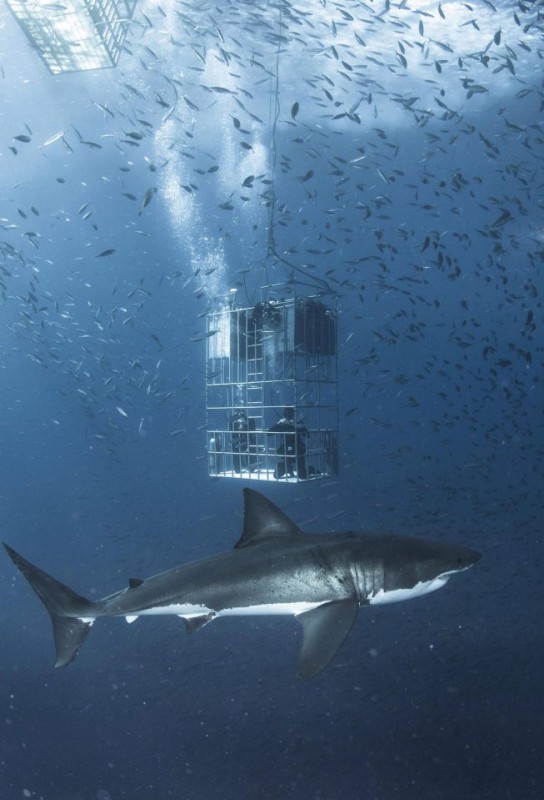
pixel 196 623
pixel 324 630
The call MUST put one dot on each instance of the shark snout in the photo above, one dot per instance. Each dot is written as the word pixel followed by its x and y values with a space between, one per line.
pixel 465 557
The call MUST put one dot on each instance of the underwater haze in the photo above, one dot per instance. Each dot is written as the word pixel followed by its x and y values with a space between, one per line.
pixel 388 157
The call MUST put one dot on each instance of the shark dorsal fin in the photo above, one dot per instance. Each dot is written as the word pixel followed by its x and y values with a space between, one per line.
pixel 134 582
pixel 263 521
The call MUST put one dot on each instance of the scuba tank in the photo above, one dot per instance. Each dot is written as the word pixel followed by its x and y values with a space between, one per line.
pixel 214 449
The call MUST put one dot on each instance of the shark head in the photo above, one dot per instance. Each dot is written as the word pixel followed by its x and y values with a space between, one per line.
pixel 406 567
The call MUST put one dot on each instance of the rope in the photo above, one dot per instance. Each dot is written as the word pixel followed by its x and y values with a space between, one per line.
pixel 322 286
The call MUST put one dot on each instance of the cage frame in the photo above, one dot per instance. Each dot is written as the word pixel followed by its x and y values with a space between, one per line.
pixel 266 368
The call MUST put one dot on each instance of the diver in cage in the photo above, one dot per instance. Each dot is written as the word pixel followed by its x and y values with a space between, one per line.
pixel 239 425
pixel 291 446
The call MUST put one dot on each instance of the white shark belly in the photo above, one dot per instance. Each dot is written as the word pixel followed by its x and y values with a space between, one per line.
pixel 190 610
pixel 397 595
pixel 269 609
pixel 185 610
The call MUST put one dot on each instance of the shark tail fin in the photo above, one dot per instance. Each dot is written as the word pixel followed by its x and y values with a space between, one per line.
pixel 71 614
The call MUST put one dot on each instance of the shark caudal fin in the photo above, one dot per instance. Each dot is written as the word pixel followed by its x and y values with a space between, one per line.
pixel 71 614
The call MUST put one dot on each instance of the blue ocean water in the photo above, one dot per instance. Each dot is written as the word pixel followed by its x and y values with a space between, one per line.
pixel 400 150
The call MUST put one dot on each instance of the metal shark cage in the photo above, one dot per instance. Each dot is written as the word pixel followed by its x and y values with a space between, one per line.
pixel 272 389
pixel 75 35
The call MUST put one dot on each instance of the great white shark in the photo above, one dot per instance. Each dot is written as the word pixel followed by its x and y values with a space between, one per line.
pixel 275 568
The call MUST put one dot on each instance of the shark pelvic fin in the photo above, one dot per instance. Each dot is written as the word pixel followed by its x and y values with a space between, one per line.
pixel 263 520
pixel 71 614
pixel 324 631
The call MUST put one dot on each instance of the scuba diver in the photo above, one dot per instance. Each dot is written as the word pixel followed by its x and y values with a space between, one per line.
pixel 239 426
pixel 291 446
